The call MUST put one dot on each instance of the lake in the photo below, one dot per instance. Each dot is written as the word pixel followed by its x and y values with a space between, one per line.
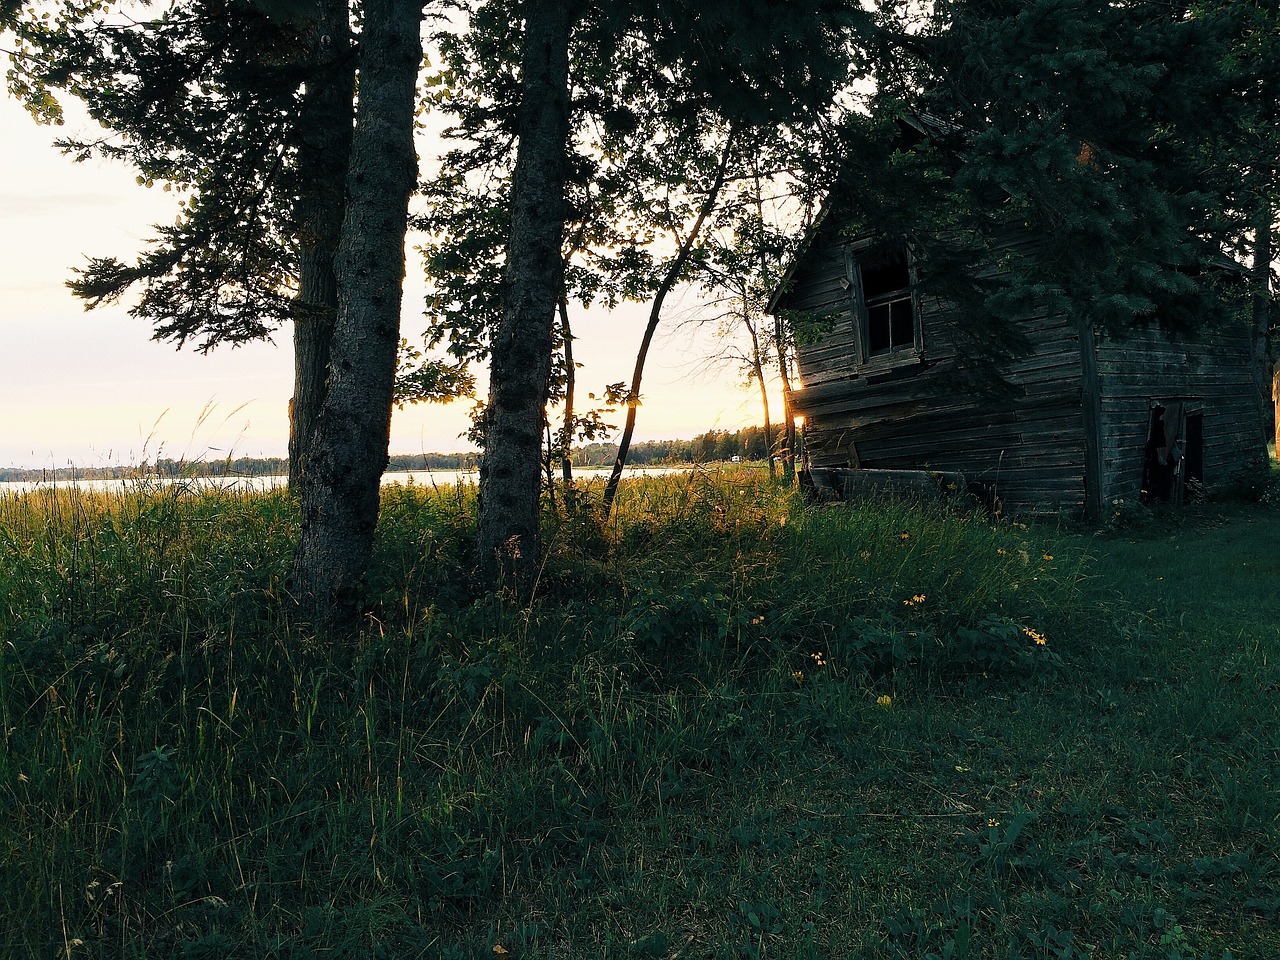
pixel 422 478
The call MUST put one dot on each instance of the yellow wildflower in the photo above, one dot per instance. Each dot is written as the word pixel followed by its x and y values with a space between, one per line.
pixel 798 676
pixel 1048 556
pixel 818 659
pixel 914 601
pixel 1039 638
pixel 993 822
pixel 884 700
pixel 904 535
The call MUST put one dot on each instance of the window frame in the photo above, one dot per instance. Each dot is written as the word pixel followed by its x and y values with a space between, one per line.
pixel 854 253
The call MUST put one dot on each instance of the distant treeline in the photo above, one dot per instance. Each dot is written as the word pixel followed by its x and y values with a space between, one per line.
pixel 749 443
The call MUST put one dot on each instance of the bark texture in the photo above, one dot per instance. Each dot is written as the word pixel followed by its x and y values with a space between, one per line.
pixel 508 545
pixel 324 151
pixel 349 454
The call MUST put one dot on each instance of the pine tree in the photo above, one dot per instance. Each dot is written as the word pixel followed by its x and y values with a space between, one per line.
pixel 246 110
pixel 1252 152
pixel 1083 120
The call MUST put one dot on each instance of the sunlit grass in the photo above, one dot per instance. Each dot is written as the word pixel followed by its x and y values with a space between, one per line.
pixel 729 725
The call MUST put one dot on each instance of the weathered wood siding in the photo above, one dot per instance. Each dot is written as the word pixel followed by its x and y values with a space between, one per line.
pixel 820 288
pixel 1025 455
pixel 1208 375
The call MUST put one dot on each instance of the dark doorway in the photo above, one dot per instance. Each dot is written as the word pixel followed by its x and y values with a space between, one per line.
pixel 1193 453
pixel 1173 460
pixel 1158 466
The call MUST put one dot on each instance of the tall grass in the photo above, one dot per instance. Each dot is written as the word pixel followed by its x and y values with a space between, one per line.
pixel 728 725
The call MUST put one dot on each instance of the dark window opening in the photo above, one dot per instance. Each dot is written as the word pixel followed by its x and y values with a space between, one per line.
pixel 886 295
pixel 884 272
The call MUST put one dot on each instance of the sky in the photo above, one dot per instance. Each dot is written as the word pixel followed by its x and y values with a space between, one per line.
pixel 93 389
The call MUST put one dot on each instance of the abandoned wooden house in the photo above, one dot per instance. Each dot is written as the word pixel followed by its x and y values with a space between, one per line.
pixel 1094 421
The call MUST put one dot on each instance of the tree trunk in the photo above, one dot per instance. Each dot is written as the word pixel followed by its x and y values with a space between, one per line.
pixel 788 415
pixel 655 316
pixel 757 371
pixel 1260 325
pixel 1275 403
pixel 757 360
pixel 324 150
pixel 508 544
pixel 780 341
pixel 349 454
pixel 570 383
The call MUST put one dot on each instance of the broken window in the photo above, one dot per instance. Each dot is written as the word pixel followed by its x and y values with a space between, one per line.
pixel 886 318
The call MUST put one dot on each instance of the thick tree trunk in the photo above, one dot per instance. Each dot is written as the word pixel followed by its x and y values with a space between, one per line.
pixel 508 545
pixel 312 336
pixel 324 150
pixel 349 454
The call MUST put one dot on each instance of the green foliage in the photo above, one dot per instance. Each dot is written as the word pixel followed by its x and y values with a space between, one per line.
pixel 698 737
pixel 663 127
pixel 421 379
pixel 203 99
pixel 1116 134
pixel 1116 186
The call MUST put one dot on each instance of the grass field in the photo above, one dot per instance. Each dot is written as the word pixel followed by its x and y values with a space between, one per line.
pixel 729 726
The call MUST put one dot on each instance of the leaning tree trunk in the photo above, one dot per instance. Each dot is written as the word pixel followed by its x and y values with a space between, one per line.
pixel 757 374
pixel 570 385
pixel 324 150
pixel 788 413
pixel 655 316
pixel 508 544
pixel 349 454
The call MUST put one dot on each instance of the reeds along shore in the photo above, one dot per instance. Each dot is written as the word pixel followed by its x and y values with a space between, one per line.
pixel 728 725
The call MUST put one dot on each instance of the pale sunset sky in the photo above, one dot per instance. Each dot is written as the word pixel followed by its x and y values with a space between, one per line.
pixel 92 388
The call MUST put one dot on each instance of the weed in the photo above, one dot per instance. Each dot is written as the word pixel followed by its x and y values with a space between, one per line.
pixel 729 725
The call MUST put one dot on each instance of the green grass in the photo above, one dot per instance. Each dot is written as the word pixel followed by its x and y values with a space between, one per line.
pixel 728 726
